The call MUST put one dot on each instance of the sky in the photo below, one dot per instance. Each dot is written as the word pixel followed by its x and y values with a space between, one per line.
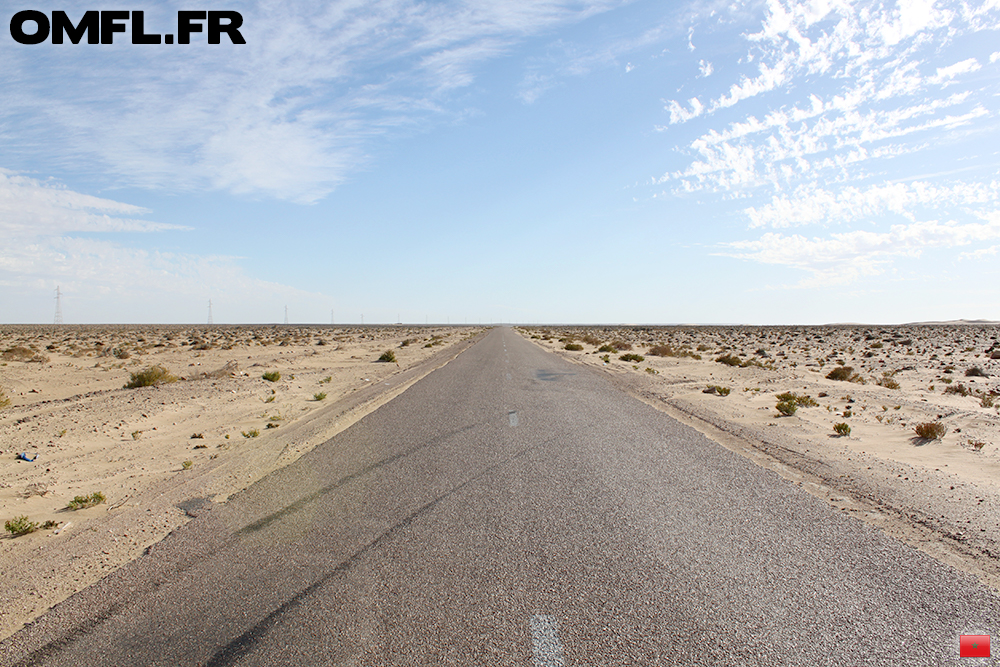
pixel 530 161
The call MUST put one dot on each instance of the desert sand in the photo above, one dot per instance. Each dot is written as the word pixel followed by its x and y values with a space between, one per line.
pixel 939 494
pixel 157 454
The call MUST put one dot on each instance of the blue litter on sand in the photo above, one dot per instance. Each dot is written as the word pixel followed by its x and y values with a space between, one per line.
pixel 24 457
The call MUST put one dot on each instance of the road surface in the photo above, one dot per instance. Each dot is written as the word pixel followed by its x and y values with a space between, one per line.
pixel 512 508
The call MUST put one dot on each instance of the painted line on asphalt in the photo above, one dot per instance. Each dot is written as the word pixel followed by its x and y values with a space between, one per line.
pixel 545 644
pixel 512 417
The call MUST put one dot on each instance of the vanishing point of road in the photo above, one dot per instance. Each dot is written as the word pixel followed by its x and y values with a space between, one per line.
pixel 512 508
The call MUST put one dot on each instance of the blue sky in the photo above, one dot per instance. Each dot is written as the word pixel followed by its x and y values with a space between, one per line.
pixel 565 162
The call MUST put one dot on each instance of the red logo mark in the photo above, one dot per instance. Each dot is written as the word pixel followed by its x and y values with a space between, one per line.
pixel 974 646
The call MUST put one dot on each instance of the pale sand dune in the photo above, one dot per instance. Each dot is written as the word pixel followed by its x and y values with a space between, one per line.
pixel 942 496
pixel 69 407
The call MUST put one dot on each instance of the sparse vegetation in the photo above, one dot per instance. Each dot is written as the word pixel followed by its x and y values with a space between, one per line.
pixel 729 360
pixel 787 408
pixel 632 357
pixel 272 376
pixel 20 526
pixel 573 347
pixel 319 396
pixel 186 465
pixel 197 436
pixel 718 390
pixel 252 433
pixel 388 357
pixel 83 502
pixel 149 377
pixel 4 401
pixel 975 372
pixel 843 428
pixel 888 380
pixel 804 401
pixel 844 374
pixel 136 435
pixel 930 430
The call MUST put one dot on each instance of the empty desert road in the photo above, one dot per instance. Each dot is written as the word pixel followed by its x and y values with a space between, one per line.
pixel 512 508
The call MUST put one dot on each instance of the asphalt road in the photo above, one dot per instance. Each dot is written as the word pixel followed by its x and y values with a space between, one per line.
pixel 514 509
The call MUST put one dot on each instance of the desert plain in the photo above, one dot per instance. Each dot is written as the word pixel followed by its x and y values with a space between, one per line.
pixel 234 403
pixel 833 409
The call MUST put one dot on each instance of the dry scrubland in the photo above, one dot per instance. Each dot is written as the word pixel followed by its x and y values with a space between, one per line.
pixel 118 468
pixel 898 425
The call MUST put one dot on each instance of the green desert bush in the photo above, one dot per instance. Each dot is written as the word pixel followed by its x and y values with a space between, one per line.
pixel 83 502
pixel 186 465
pixel 887 380
pixel 786 408
pixel 632 357
pixel 844 374
pixel 319 396
pixel 272 376
pixel 729 360
pixel 150 376
pixel 717 390
pixel 843 428
pixel 20 525
pixel 4 401
pixel 388 356
pixel 573 347
pixel 804 401
pixel 252 433
pixel 930 430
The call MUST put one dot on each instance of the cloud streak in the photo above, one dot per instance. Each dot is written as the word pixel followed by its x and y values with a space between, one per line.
pixel 288 116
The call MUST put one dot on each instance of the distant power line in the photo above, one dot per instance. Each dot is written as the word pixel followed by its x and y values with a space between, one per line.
pixel 59 318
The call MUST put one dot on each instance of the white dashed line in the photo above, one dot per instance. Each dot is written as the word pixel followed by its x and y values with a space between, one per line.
pixel 545 642
pixel 512 416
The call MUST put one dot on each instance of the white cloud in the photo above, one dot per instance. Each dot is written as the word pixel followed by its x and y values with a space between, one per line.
pixel 29 207
pixel 704 68
pixel 40 220
pixel 810 204
pixel 287 115
pixel 946 74
pixel 844 257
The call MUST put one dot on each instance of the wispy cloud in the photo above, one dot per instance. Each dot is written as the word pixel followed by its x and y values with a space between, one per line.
pixel 844 257
pixel 49 239
pixel 288 115
pixel 832 95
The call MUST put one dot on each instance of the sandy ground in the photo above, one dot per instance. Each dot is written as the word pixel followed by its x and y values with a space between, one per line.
pixel 160 453
pixel 939 495
pixel 69 407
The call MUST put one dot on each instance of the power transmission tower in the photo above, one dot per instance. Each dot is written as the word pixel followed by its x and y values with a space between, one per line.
pixel 286 314
pixel 59 319
pixel 210 322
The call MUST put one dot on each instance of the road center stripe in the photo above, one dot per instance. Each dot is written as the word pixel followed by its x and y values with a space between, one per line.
pixel 545 642
pixel 512 416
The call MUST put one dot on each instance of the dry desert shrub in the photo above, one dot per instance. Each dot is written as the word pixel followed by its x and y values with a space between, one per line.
pixel 4 401
pixel 150 376
pixel 930 430
pixel 18 353
pixel 845 374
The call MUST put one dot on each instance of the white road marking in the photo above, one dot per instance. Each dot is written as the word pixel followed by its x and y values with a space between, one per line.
pixel 545 642
pixel 512 416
